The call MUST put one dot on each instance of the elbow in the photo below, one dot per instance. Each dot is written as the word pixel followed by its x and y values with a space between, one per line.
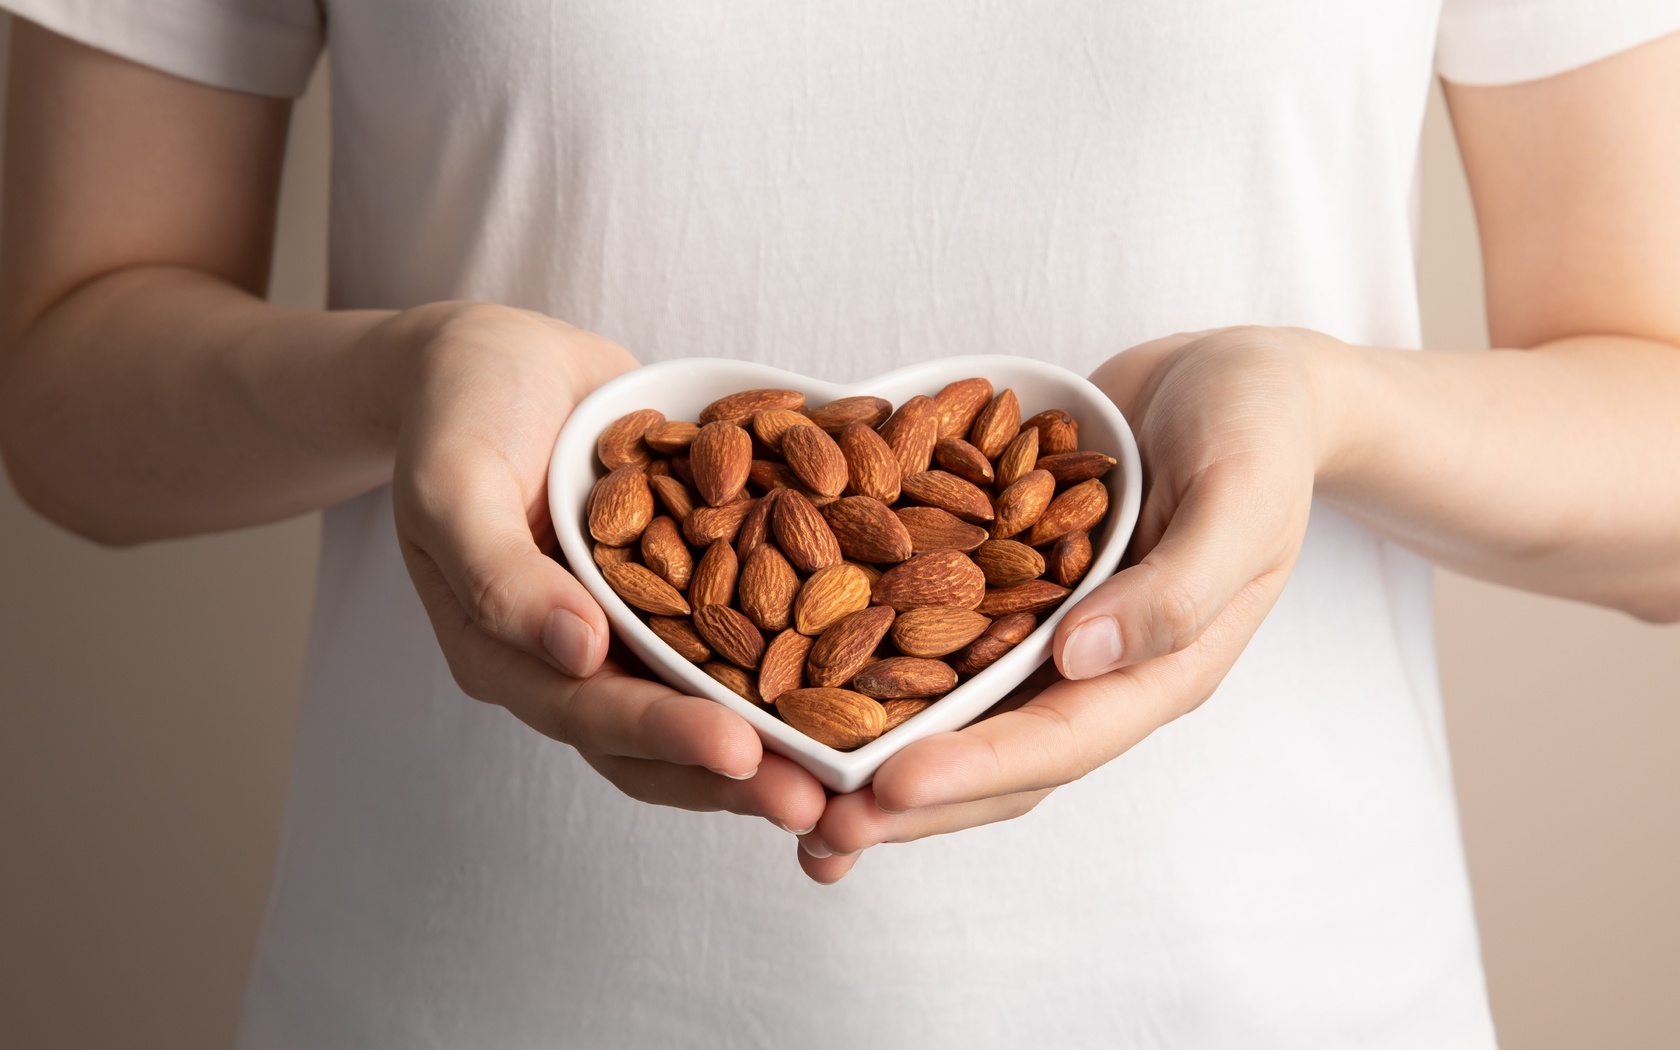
pixel 40 498
pixel 1658 601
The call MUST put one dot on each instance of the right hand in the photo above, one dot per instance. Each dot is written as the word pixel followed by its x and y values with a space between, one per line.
pixel 487 390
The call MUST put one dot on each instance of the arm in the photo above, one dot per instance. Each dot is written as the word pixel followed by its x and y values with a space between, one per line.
pixel 1549 468
pixel 147 390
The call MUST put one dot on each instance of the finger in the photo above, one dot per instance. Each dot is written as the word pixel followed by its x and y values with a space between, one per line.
pixel 471 522
pixel 610 712
pixel 854 822
pixel 1124 376
pixel 1213 549
pixel 826 870
pixel 781 792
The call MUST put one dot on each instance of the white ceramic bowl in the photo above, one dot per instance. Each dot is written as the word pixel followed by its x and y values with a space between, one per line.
pixel 680 389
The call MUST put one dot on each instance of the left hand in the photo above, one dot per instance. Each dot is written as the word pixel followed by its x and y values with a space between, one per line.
pixel 1232 429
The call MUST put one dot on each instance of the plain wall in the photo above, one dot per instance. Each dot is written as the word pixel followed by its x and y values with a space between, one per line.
pixel 147 699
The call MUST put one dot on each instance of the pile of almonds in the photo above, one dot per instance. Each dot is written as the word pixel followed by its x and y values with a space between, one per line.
pixel 845 565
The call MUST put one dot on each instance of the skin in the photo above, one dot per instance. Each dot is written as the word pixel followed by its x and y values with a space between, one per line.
pixel 147 391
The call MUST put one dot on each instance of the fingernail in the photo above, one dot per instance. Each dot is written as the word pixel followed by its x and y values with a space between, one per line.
pixel 789 830
pixel 814 847
pixel 748 775
pixel 570 641
pixel 1092 648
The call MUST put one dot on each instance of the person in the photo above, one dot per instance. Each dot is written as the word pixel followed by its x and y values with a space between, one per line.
pixel 837 189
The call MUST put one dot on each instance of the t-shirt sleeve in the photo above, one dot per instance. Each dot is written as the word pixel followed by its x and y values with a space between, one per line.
pixel 265 47
pixel 1506 41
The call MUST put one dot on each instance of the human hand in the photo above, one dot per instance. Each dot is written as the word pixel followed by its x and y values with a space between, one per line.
pixel 1232 430
pixel 486 393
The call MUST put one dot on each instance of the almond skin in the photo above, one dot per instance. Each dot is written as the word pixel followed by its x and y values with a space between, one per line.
pixel 755 527
pixel 713 582
pixel 730 634
pixel 936 578
pixel 772 425
pixel 1070 468
pixel 1033 596
pixel 902 711
pixel 815 459
pixel 1008 562
pixel 802 533
pixel 1005 633
pixel 1058 431
pixel 734 679
pixel 658 468
pixel 605 555
pixel 680 635
pixel 1076 510
pixel 838 415
pixel 996 425
pixel 840 718
pixel 767 588
pixel 740 407
pixel 720 458
pixel 620 506
pixel 964 460
pixel 783 666
pixel 912 432
pixel 871 465
pixel 829 595
pixel 936 630
pixel 706 525
pixel 1069 559
pixel 938 488
pixel 905 678
pixel 959 402
pixel 622 442
pixel 847 646
pixel 1018 457
pixel 767 475
pixel 868 530
pixel 932 529
pixel 680 468
pixel 1022 504
pixel 664 551
pixel 676 496
pixel 642 588
pixel 671 438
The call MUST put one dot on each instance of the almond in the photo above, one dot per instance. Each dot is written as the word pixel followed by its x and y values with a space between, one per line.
pixel 1005 633
pixel 620 506
pixel 707 525
pixel 871 571
pixel 838 415
pixel 1033 596
pixel 1023 503
pixel 738 408
pixel 664 551
pixel 731 634
pixel 680 635
pixel 905 677
pixel 774 423
pixel 1007 562
pixel 830 594
pixel 804 536
pixel 1069 559
pixel 1076 510
pixel 959 402
pixel 815 459
pixel 642 588
pixel 767 587
pixel 767 475
pixel 902 711
pixel 1070 468
pixel 963 460
pixel 932 529
pixel 658 468
pixel 996 424
pixel 755 527
pixel 1058 431
pixel 677 497
pixel 938 488
pixel 935 578
pixel 871 465
pixel 845 647
pixel 912 432
pixel 840 718
pixel 1018 457
pixel 681 469
pixel 936 630
pixel 783 666
pixel 734 679
pixel 720 458
pixel 713 582
pixel 671 438
pixel 622 442
pixel 868 530
pixel 605 555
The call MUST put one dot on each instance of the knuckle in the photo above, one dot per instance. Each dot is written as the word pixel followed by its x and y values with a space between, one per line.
pixel 493 601
pixel 1175 617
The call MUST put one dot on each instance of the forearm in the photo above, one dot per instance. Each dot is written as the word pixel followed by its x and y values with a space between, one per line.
pixel 1552 470
pixel 158 402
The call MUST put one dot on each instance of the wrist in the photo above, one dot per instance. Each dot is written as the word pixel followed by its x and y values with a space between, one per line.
pixel 1342 408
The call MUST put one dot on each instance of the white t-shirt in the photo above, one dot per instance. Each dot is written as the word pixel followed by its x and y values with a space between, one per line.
pixel 839 188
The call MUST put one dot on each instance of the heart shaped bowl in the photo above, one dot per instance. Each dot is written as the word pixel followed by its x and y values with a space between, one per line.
pixel 681 388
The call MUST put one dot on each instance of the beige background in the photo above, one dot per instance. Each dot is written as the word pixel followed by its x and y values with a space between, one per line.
pixel 147 700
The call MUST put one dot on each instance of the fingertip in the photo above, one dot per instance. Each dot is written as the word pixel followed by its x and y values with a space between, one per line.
pixel 574 644
pixel 1090 648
